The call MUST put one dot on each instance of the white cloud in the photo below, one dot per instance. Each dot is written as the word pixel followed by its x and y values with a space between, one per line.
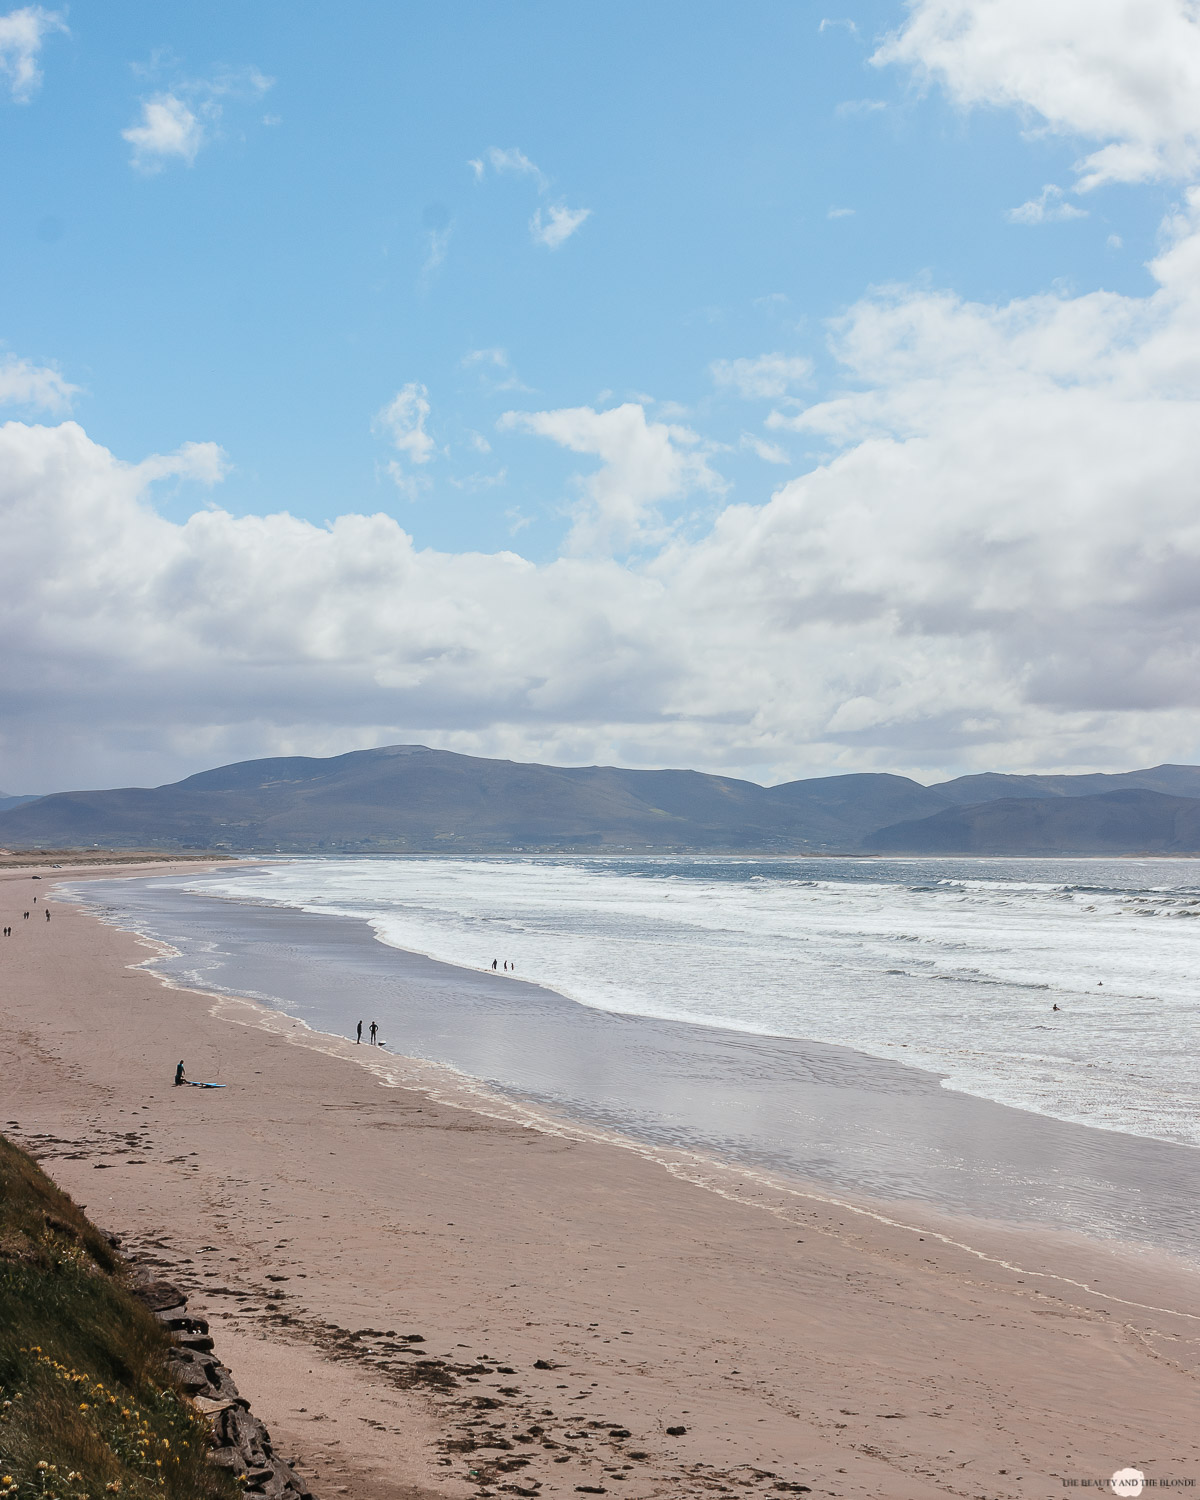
pixel 848 108
pixel 840 213
pixel 175 123
pixel 763 379
pixel 1126 75
pixel 494 368
pixel 770 453
pixel 551 226
pixel 998 563
pixel 557 225
pixel 168 129
pixel 205 463
pixel 403 421
pixel 474 483
pixel 845 23
pixel 22 33
pixel 23 383
pixel 508 160
pixel 644 464
pixel 1050 207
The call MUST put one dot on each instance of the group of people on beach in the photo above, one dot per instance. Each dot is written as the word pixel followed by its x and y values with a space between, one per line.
pixel 509 968
pixel 25 916
pixel 374 1034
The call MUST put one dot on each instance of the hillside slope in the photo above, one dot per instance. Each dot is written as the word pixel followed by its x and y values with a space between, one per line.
pixel 409 798
pixel 1132 821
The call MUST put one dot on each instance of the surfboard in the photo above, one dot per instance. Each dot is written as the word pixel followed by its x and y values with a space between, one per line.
pixel 196 1085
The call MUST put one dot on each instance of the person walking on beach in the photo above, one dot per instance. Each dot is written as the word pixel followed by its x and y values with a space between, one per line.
pixel 358 1038
pixel 47 914
pixel 495 961
pixel 374 1032
pixel 179 1078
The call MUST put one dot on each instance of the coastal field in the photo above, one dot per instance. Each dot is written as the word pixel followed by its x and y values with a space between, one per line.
pixel 427 1288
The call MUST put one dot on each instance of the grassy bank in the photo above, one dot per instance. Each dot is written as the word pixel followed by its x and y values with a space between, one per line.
pixel 86 1405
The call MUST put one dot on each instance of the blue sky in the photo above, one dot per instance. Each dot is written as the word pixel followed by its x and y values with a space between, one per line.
pixel 345 245
pixel 274 293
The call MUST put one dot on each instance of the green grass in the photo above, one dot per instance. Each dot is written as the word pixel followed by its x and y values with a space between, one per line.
pixel 87 1408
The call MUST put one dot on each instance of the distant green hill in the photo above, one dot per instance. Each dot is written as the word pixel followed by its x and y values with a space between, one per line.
pixel 410 799
pixel 1130 821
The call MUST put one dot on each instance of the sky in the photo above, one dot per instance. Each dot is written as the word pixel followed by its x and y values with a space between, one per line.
pixel 773 389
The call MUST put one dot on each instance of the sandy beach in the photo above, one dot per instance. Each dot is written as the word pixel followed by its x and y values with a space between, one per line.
pixel 425 1293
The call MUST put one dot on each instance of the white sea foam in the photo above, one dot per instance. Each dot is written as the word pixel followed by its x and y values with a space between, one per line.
pixel 951 965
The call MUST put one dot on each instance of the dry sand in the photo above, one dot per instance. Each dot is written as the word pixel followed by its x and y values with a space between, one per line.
pixel 574 1300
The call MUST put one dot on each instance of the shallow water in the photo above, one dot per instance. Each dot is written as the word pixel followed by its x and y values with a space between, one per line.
pixel 952 965
pixel 825 1113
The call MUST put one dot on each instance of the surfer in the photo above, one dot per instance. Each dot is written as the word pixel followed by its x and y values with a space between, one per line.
pixel 179 1078
pixel 495 961
pixel 358 1038
pixel 374 1032
pixel 1054 1006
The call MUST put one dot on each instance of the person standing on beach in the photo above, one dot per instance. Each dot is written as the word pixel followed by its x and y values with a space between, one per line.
pixel 358 1038
pixel 374 1032
pixel 47 914
pixel 495 961
pixel 179 1078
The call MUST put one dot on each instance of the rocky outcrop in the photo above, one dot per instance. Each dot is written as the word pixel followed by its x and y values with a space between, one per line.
pixel 240 1442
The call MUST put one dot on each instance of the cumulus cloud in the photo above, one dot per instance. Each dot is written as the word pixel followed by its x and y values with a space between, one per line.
pixel 167 128
pixel 1000 562
pixel 175 123
pixel 1050 207
pixel 22 33
pixel 556 226
pixel 644 464
pixel 1126 75
pixel 23 383
pixel 402 421
pixel 997 563
pixel 765 378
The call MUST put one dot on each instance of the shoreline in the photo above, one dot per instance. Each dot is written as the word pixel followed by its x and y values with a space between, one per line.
pixel 856 1363
pixel 818 1116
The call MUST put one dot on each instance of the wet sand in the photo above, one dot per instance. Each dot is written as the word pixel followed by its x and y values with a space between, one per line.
pixel 567 1291
pixel 809 1110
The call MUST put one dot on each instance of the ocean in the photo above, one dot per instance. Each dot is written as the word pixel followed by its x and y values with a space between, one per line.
pixel 734 1006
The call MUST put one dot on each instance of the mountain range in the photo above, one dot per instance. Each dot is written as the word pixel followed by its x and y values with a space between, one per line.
pixel 410 799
